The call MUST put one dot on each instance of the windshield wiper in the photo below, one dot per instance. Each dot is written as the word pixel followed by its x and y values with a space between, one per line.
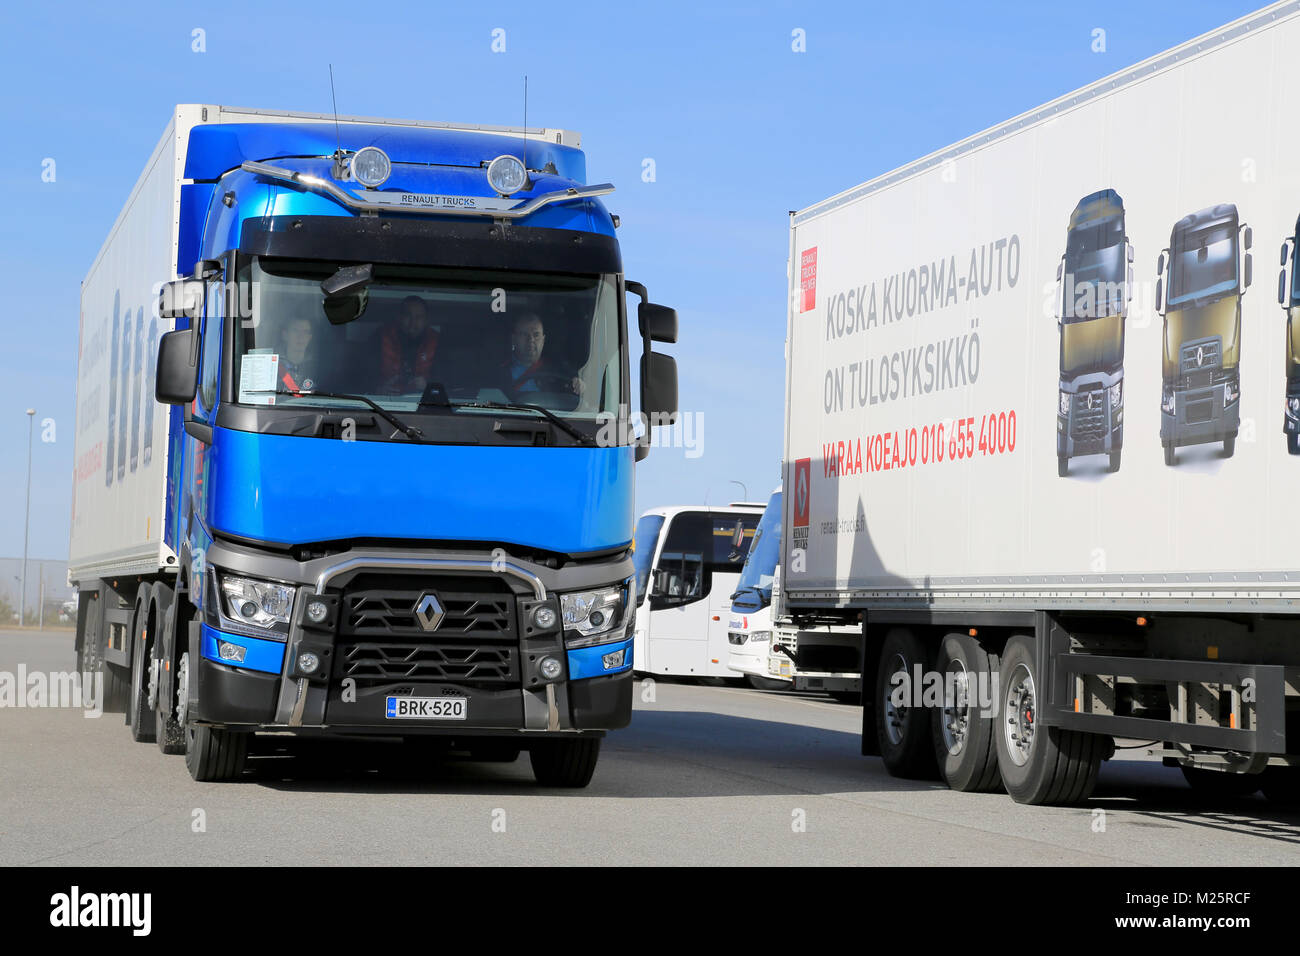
pixel 554 419
pixel 410 431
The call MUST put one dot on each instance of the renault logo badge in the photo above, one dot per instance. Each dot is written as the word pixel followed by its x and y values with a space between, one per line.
pixel 429 611
pixel 1200 355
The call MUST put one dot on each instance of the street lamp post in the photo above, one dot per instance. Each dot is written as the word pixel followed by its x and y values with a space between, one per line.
pixel 27 512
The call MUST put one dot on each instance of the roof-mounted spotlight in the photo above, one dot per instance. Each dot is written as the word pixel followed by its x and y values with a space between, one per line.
pixel 370 166
pixel 507 175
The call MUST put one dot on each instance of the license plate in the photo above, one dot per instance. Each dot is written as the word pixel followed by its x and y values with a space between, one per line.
pixel 426 708
pixel 780 668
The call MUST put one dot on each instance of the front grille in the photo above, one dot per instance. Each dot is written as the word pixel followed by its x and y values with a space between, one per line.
pixel 382 640
pixel 1199 356
pixel 370 663
pixel 1089 422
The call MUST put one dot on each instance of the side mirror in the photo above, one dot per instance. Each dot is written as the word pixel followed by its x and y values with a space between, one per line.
pixel 1128 286
pixel 658 322
pixel 1160 283
pixel 181 298
pixel 659 388
pixel 178 368
pixel 1281 288
pixel 1282 253
pixel 1246 240
pixel 1060 269
pixel 346 293
pixel 1130 250
pixel 1250 260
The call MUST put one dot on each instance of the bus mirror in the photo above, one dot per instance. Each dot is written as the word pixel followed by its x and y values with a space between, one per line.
pixel 1248 238
pixel 1250 261
pixel 1159 295
pixel 1282 254
pixel 1281 288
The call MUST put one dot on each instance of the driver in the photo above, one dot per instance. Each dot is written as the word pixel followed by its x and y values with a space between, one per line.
pixel 527 369
pixel 294 365
pixel 407 348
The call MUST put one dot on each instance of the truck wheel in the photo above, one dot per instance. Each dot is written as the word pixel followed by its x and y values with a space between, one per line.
pixel 902 727
pixel 564 763
pixel 1169 453
pixel 1062 466
pixel 1229 446
pixel 1281 785
pixel 1114 462
pixel 211 753
pixel 143 675
pixel 168 731
pixel 767 683
pixel 963 735
pixel 1220 783
pixel 1039 765
pixel 1293 444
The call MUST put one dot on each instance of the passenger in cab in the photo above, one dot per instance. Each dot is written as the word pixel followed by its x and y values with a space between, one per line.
pixel 407 348
pixel 528 369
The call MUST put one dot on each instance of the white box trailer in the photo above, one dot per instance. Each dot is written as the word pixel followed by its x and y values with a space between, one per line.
pixel 1041 417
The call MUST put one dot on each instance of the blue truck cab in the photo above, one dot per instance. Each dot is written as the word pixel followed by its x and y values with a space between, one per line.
pixel 400 453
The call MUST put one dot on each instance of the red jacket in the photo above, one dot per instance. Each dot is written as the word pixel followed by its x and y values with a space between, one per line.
pixel 400 362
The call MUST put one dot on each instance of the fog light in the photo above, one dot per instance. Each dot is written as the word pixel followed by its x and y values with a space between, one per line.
pixel 371 166
pixel 544 618
pixel 308 662
pixel 614 660
pixel 231 652
pixel 550 668
pixel 317 612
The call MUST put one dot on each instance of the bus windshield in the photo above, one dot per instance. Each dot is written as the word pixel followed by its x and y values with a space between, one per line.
pixel 764 552
pixel 643 551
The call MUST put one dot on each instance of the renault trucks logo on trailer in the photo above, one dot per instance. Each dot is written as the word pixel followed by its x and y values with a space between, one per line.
pixel 802 501
pixel 808 279
pixel 429 612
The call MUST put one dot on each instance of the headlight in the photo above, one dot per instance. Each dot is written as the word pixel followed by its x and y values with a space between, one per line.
pixel 596 616
pixel 760 637
pixel 257 603
pixel 1231 392
pixel 1116 392
pixel 1167 400
pixel 1293 407
pixel 1065 403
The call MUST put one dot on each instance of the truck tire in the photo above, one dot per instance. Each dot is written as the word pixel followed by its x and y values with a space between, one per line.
pixel 564 763
pixel 139 711
pixel 1114 461
pixel 1062 466
pixel 903 731
pixel 1220 783
pixel 212 754
pixel 168 732
pixel 215 755
pixel 1169 453
pixel 767 683
pixel 1039 766
pixel 1293 444
pixel 963 735
pixel 1229 446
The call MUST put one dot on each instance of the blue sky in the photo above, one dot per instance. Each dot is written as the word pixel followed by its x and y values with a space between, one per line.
pixel 741 129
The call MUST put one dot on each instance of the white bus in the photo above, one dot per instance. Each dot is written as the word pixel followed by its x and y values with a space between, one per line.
pixel 688 560
pixel 749 629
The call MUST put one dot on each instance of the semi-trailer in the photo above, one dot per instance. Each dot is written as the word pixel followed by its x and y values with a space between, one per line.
pixel 1019 626
pixel 353 451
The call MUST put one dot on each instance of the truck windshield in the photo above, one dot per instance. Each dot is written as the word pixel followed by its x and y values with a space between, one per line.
pixel 483 337
pixel 1203 263
pixel 764 551
pixel 1092 346
pixel 643 552
pixel 1095 264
